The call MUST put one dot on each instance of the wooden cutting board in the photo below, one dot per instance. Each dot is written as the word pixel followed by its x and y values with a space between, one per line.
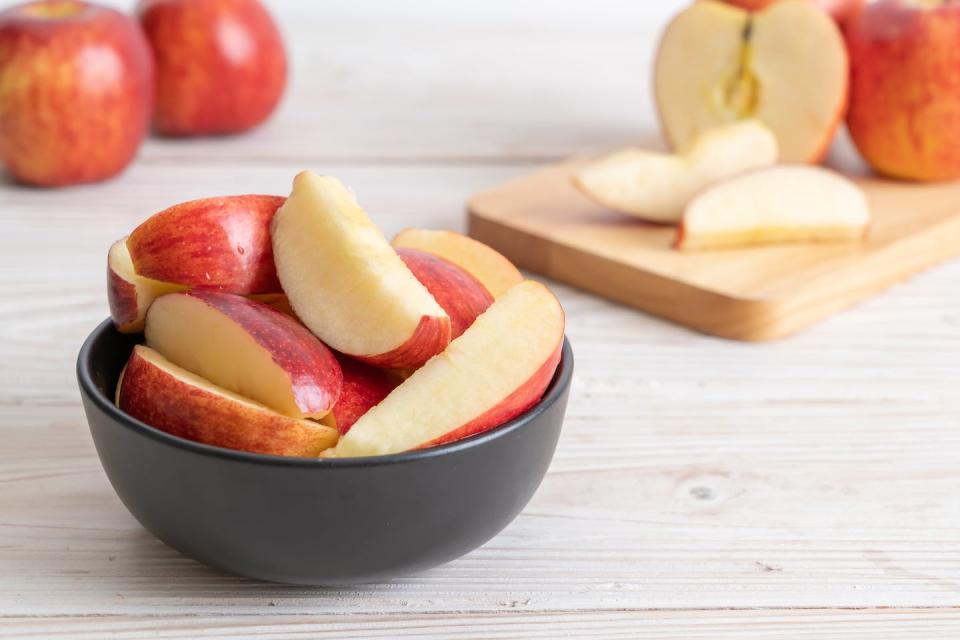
pixel 542 223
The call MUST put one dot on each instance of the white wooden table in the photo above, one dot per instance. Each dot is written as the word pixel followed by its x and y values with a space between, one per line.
pixel 702 488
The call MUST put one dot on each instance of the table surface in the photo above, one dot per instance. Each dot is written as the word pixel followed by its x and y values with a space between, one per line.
pixel 702 488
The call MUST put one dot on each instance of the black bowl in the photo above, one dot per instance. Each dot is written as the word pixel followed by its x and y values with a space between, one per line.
pixel 315 521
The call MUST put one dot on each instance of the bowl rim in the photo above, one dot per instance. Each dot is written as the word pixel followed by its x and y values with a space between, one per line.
pixel 558 385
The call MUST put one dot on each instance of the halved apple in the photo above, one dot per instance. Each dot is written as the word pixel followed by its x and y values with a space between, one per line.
pixel 347 284
pixel 364 387
pixel 781 204
pixel 658 186
pixel 248 348
pixel 785 66
pixel 495 371
pixel 214 242
pixel 128 294
pixel 456 291
pixel 170 398
pixel 492 269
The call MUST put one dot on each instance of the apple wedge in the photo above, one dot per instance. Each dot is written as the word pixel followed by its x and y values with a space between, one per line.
pixel 248 348
pixel 657 186
pixel 171 399
pixel 347 284
pixel 128 294
pixel 364 387
pixel 781 204
pixel 495 371
pixel 215 242
pixel 785 66
pixel 456 291
pixel 492 269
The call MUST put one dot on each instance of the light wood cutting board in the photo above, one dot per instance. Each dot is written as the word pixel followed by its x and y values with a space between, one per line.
pixel 542 223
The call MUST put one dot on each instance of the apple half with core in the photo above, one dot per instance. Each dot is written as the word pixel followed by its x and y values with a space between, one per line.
pixel 347 284
pixel 128 294
pixel 214 242
pixel 169 398
pixel 657 186
pixel 792 203
pixel 495 371
pixel 248 348
pixel 492 269
pixel 786 66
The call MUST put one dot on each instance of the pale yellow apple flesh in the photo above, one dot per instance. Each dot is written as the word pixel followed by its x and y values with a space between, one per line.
pixel 128 294
pixel 172 399
pixel 793 203
pixel 346 283
pixel 500 366
pixel 657 186
pixel 785 66
pixel 484 263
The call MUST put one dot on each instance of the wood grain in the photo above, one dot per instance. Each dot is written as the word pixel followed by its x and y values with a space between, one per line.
pixel 544 224
pixel 702 487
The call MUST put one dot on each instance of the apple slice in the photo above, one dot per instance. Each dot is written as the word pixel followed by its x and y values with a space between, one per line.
pixel 215 242
pixel 456 291
pixel 495 371
pixel 657 186
pixel 248 348
pixel 364 387
pixel 492 269
pixel 785 66
pixel 346 283
pixel 128 294
pixel 169 398
pixel 780 204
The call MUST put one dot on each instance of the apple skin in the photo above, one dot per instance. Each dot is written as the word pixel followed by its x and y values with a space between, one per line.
pixel 221 65
pixel 129 295
pixel 839 10
pixel 429 338
pixel 215 242
pixel 459 293
pixel 188 407
pixel 363 387
pixel 904 112
pixel 76 92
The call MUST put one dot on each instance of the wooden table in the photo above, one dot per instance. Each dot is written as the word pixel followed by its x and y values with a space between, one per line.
pixel 702 488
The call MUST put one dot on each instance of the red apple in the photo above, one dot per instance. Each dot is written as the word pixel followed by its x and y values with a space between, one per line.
pixel 248 348
pixel 456 291
pixel 905 88
pixel 172 399
pixel 215 242
pixel 130 295
pixel 221 66
pixel 364 387
pixel 76 91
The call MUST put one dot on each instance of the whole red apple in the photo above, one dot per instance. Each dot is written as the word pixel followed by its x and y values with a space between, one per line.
pixel 221 66
pixel 905 88
pixel 76 91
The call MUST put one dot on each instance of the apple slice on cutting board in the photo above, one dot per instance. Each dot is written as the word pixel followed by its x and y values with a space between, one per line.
pixel 785 66
pixel 657 186
pixel 487 265
pixel 156 391
pixel 495 371
pixel 347 284
pixel 793 203
pixel 248 348
pixel 130 295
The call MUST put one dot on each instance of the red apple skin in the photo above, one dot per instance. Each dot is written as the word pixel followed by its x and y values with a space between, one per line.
pixel 122 299
pixel 524 397
pixel 315 374
pixel 430 337
pixel 904 112
pixel 76 92
pixel 839 10
pixel 152 395
pixel 221 65
pixel 216 242
pixel 461 295
pixel 363 388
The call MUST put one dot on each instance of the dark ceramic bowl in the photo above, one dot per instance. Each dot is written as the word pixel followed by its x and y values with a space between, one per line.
pixel 314 521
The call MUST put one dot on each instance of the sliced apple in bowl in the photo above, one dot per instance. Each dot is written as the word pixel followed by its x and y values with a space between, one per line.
pixel 495 371
pixel 792 203
pixel 347 284
pixel 248 348
pixel 176 401
pixel 129 295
